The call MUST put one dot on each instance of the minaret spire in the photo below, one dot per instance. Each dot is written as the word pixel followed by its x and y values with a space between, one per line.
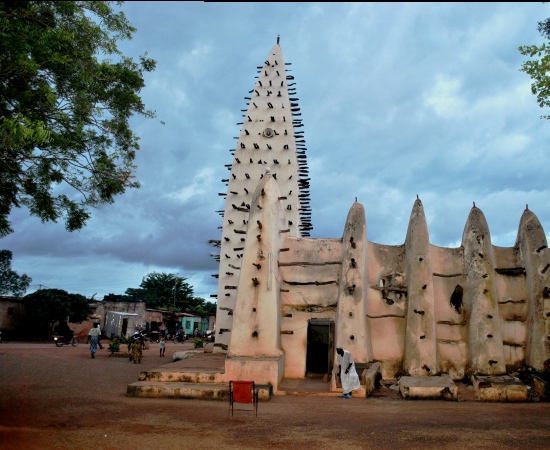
pixel 267 139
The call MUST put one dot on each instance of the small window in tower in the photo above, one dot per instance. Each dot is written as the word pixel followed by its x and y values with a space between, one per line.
pixel 456 299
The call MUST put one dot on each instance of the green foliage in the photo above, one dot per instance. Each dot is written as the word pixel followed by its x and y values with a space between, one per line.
pixel 118 298
pixel 202 308
pixel 198 343
pixel 65 139
pixel 126 341
pixel 157 290
pixel 544 28
pixel 48 306
pixel 10 282
pixel 538 67
pixel 114 345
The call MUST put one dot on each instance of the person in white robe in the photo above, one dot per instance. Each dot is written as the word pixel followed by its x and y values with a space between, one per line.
pixel 347 373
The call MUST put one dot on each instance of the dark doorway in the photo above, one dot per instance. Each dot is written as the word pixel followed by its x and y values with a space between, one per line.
pixel 124 327
pixel 320 346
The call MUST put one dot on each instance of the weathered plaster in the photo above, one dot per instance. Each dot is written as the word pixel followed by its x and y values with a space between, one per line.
pixel 485 351
pixel 420 357
pixel 536 256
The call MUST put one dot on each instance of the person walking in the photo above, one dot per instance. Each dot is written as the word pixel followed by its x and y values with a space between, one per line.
pixel 93 339
pixel 347 373
pixel 137 347
pixel 162 346
pixel 99 338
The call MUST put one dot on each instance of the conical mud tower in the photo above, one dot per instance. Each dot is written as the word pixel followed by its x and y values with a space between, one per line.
pixel 271 136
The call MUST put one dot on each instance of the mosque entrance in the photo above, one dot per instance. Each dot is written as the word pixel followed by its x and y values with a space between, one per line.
pixel 320 346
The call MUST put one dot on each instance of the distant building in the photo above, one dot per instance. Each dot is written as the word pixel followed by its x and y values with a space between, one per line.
pixel 191 322
pixel 114 318
pixel 12 318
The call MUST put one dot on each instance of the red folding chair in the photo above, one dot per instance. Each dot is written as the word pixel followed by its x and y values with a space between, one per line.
pixel 243 392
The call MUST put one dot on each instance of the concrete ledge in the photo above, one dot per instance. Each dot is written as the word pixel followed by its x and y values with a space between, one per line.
pixel 432 388
pixel 499 389
pixel 182 377
pixel 154 389
pixel 178 356
pixel 298 393
pixel 370 377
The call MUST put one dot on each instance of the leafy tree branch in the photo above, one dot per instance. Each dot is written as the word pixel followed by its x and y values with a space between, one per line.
pixel 538 67
pixel 66 96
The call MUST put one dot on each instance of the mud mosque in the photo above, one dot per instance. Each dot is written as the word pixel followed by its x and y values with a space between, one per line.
pixel 285 300
pixel 426 314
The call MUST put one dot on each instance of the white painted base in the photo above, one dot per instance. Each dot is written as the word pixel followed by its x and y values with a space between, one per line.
pixel 259 370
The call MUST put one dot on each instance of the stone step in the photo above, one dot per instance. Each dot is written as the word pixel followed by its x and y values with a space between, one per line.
pixel 371 377
pixel 172 376
pixel 311 387
pixel 305 393
pixel 432 388
pixel 503 388
pixel 201 391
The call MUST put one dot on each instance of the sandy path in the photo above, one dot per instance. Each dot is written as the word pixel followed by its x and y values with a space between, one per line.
pixel 61 398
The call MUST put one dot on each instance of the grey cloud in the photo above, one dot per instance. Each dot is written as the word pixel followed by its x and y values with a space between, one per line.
pixel 397 100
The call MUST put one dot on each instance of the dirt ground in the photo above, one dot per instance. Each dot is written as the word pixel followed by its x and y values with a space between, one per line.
pixel 61 398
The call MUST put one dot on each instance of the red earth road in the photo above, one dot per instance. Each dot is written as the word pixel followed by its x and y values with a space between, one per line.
pixel 61 398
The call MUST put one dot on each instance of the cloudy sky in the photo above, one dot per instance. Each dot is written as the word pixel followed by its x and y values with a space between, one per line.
pixel 397 100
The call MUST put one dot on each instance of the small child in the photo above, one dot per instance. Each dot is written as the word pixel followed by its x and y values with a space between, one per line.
pixel 162 346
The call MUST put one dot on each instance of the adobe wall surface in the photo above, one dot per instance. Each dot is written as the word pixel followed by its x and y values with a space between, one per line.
pixel 309 270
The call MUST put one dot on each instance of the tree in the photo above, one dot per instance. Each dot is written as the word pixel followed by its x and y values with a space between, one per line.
pixel 157 291
pixel 10 282
pixel 203 308
pixel 45 307
pixel 65 140
pixel 538 68
pixel 118 298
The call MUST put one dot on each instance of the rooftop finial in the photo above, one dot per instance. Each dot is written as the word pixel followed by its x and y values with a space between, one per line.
pixel 278 38
pixel 527 207
pixel 474 204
